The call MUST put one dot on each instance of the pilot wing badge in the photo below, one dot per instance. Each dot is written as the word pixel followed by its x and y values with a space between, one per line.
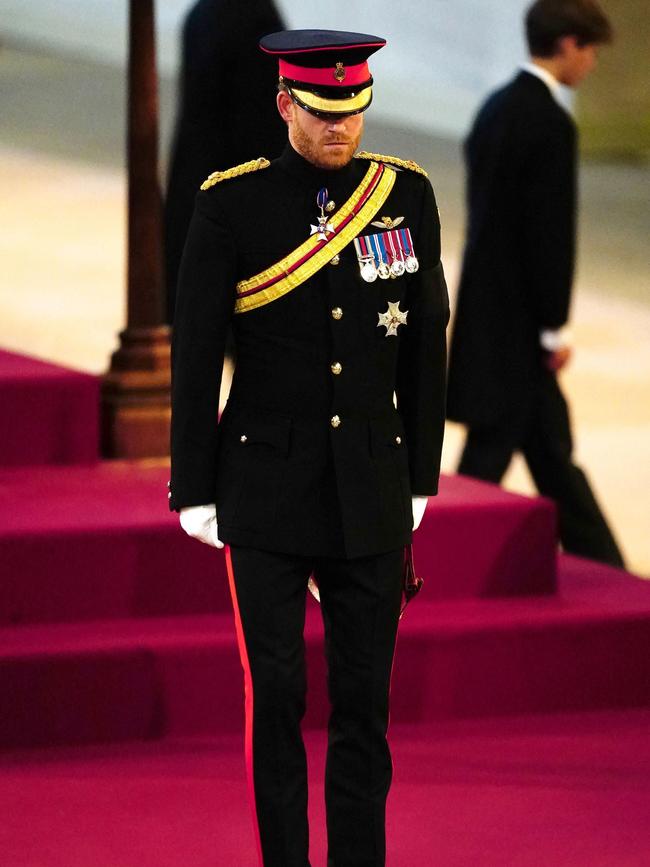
pixel 388 222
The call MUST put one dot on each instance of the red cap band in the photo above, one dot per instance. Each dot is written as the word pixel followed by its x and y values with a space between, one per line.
pixel 331 76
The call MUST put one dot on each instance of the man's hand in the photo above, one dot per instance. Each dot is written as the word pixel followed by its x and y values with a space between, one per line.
pixel 555 361
pixel 419 505
pixel 200 522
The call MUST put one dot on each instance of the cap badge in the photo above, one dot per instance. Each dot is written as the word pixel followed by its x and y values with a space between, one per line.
pixel 388 223
pixel 392 318
pixel 339 72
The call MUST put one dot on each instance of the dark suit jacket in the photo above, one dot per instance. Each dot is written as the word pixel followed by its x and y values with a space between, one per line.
pixel 518 261
pixel 282 477
pixel 226 110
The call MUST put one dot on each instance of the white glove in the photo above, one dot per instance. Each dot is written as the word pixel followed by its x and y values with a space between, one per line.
pixel 419 505
pixel 200 522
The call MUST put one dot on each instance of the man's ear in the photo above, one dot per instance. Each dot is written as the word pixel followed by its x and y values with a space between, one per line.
pixel 566 46
pixel 285 106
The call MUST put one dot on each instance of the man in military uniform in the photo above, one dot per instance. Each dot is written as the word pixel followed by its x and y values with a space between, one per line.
pixel 328 267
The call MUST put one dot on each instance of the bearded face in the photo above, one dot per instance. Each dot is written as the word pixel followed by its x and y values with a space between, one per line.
pixel 329 143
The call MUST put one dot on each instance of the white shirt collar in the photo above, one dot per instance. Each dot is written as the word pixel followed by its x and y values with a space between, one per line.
pixel 549 80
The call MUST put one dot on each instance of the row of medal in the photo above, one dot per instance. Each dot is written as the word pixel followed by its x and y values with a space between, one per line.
pixel 385 255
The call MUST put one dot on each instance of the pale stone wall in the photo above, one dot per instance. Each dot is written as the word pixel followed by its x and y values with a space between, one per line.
pixel 442 59
pixel 443 55
pixel 614 103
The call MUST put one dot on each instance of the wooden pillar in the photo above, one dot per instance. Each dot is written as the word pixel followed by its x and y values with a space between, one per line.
pixel 136 388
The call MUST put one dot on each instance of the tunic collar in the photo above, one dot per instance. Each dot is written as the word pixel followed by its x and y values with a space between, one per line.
pixel 298 167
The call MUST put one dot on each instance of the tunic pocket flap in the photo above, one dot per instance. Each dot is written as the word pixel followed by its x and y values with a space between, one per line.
pixel 273 432
pixel 387 432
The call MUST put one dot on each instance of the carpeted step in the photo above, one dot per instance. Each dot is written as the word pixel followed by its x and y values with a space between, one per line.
pixel 82 543
pixel 50 414
pixel 477 540
pixel 97 543
pixel 566 789
pixel 587 648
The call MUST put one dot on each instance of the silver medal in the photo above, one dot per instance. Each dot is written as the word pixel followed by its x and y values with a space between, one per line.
pixel 397 268
pixel 411 264
pixel 369 272
pixel 383 271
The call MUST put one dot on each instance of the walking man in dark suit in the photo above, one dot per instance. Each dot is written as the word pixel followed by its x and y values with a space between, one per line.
pixel 328 267
pixel 509 337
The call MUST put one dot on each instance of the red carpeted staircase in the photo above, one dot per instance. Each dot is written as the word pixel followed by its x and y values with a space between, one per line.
pixel 114 626
pixel 48 414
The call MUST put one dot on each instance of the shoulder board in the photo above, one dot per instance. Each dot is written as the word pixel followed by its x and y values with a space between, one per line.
pixel 393 161
pixel 235 172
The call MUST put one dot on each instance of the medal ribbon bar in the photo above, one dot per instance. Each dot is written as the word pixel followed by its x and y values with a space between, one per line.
pixel 385 254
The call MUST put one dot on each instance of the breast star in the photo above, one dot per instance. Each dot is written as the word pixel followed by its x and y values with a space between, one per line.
pixel 392 318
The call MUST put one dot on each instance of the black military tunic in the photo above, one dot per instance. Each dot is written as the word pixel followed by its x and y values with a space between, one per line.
pixel 312 455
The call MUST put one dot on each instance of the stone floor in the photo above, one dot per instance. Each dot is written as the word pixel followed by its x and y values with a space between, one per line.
pixel 63 253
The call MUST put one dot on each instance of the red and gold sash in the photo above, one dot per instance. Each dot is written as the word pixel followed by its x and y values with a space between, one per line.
pixel 303 262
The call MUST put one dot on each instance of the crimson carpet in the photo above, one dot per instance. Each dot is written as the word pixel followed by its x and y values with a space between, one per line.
pixel 89 542
pixel 520 701
pixel 569 790
pixel 587 647
pixel 48 414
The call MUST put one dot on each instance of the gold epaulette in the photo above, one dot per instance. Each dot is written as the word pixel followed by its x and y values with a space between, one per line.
pixel 235 172
pixel 393 161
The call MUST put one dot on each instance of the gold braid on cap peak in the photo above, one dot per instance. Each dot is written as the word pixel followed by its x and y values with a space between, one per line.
pixel 235 172
pixel 393 161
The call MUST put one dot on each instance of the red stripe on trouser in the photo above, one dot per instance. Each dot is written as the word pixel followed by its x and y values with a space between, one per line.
pixel 248 692
pixel 390 679
pixel 390 686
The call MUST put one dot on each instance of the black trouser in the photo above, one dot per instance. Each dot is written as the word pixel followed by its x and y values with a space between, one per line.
pixel 547 445
pixel 360 601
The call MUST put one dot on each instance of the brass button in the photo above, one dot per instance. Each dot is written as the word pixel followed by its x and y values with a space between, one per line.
pixel 169 495
pixel 335 260
pixel 337 313
pixel 169 484
pixel 335 421
pixel 398 440
pixel 336 368
pixel 243 438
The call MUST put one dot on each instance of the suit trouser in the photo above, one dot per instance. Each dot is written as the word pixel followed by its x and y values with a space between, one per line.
pixel 547 445
pixel 360 602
